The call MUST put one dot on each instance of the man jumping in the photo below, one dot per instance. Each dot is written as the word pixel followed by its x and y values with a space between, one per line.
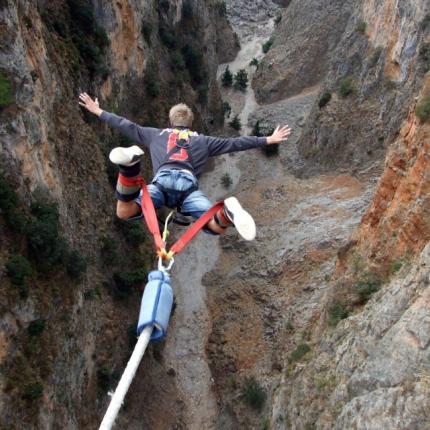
pixel 178 158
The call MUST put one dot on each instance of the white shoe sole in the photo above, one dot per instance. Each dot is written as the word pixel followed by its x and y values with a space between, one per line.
pixel 125 156
pixel 242 220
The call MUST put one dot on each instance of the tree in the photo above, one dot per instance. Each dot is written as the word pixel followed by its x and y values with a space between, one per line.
pixel 256 130
pixel 235 123
pixel 227 78
pixel 241 80
pixel 226 108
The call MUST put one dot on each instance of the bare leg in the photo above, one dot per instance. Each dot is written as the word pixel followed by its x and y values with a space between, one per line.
pixel 216 228
pixel 126 210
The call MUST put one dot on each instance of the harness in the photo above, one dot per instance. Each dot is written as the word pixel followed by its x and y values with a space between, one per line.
pixel 179 140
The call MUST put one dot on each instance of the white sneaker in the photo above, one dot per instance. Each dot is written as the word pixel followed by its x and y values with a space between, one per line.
pixel 241 219
pixel 126 156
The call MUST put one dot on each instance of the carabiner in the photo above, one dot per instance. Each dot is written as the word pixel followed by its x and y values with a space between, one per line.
pixel 163 268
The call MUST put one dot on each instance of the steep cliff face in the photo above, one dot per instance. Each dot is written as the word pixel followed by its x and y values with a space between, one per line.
pixel 295 320
pixel 395 227
pixel 64 340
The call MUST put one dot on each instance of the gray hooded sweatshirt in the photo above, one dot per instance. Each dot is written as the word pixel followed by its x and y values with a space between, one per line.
pixel 192 157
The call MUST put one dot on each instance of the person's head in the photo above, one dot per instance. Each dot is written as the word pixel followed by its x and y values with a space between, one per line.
pixel 181 116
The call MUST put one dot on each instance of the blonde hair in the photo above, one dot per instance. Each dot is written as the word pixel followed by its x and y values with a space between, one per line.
pixel 181 115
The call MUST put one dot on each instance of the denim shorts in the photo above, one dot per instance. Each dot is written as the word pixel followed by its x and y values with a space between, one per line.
pixel 175 183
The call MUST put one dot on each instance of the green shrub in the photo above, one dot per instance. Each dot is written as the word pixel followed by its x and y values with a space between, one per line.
pixel 253 393
pixel 146 30
pixel 6 91
pixel 33 391
pixel 267 45
pixel 134 233
pixel 221 8
pixel 396 265
pixel 367 286
pixel 195 64
pixel 376 54
pixel 151 80
pixel 167 35
pixel 226 108
pixel 104 378
pixel 109 250
pixel 424 55
pixel 422 110
pixel 278 19
pixel 256 130
pixel 299 352
pixel 76 264
pixel 425 23
pixel 254 62
pixel 361 26
pixel 337 312
pixel 226 180
pixel 271 150
pixel 18 269
pixel 126 282
pixel 227 78
pixel 177 61
pixel 235 123
pixel 45 244
pixel 347 86
pixel 241 80
pixel 187 10
pixel 9 206
pixel 324 99
pixel 36 327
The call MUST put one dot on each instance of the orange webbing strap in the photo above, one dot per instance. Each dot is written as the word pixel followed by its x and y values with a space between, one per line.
pixel 150 216
pixel 182 242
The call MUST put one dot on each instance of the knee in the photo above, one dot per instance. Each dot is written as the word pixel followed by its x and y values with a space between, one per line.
pixel 124 211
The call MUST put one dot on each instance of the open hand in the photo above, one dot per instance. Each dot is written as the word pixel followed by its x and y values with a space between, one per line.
pixel 88 103
pixel 279 135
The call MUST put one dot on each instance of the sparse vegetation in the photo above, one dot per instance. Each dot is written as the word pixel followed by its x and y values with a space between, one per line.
pixel 235 123
pixel 226 109
pixel 272 149
pixel 395 266
pixel 45 244
pixel 424 55
pixel 347 86
pixel 278 19
pixel 425 23
pixel 300 351
pixel 376 54
pixel 267 45
pixel 33 391
pixel 221 8
pixel 126 282
pixel 226 180
pixel 9 206
pixel 324 99
pixel 146 30
pixel 361 26
pixel 76 264
pixel 19 269
pixel 36 327
pixel 151 80
pixel 194 61
pixel 241 80
pixel 253 393
pixel 109 250
pixel 6 91
pixel 367 286
pixel 337 312
pixel 256 130
pixel 167 35
pixel 227 78
pixel 134 233
pixel 254 62
pixel 422 110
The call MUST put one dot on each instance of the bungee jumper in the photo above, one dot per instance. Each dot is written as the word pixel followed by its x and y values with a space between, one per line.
pixel 178 157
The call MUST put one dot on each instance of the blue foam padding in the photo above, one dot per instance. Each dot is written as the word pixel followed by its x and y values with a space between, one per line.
pixel 157 301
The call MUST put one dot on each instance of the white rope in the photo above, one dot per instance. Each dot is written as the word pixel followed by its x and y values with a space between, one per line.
pixel 126 378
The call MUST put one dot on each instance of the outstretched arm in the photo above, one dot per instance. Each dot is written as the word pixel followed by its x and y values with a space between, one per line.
pixel 219 145
pixel 133 131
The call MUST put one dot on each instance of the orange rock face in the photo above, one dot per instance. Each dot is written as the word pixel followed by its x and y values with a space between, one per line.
pixel 397 223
